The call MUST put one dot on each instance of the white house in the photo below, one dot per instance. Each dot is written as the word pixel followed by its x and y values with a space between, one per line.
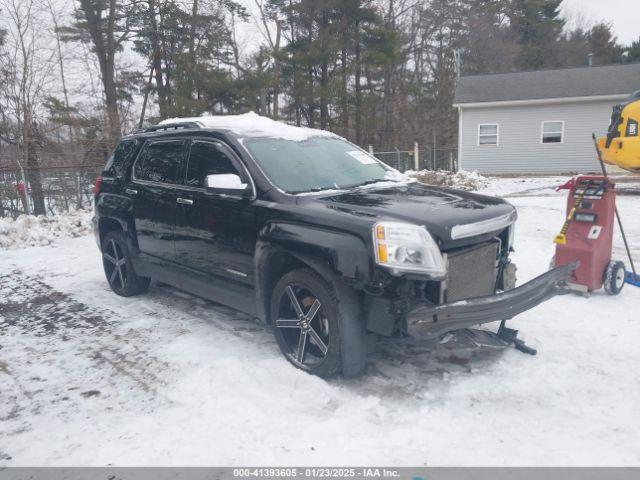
pixel 540 121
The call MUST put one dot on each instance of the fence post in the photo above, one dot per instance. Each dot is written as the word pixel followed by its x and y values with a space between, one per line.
pixel 450 161
pixel 27 207
pixel 416 157
pixel 79 191
pixel 371 149
pixel 435 152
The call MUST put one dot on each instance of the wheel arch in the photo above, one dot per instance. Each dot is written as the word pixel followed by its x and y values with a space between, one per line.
pixel 107 225
pixel 274 261
pixel 110 223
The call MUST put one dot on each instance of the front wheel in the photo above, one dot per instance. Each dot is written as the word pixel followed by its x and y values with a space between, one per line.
pixel 317 329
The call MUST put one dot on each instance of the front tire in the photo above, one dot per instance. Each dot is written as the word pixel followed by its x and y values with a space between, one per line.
pixel 118 267
pixel 318 326
pixel 614 277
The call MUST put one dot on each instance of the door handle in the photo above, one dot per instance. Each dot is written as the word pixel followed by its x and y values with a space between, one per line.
pixel 131 191
pixel 184 201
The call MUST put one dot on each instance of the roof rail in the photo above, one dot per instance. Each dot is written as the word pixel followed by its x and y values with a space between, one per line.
pixel 169 126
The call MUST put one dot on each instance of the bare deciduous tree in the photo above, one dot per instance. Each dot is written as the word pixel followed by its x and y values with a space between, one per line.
pixel 29 65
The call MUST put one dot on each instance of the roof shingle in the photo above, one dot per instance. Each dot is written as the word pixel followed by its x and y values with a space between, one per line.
pixel 543 84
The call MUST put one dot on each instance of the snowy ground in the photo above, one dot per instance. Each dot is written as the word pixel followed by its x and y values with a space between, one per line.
pixel 89 378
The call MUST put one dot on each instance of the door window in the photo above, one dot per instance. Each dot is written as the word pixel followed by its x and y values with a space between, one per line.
pixel 207 159
pixel 160 162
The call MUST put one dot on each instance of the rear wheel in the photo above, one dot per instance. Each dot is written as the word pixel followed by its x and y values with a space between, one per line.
pixel 614 277
pixel 118 267
pixel 315 329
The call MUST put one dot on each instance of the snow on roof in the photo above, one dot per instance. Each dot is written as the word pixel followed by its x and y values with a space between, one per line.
pixel 253 125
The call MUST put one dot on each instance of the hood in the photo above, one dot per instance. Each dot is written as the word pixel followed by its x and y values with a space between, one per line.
pixel 446 213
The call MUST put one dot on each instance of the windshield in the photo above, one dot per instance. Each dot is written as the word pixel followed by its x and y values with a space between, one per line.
pixel 318 163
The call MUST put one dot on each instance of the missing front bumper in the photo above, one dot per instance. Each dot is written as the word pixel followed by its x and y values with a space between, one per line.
pixel 436 320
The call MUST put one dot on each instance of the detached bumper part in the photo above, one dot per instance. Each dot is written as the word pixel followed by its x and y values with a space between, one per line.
pixel 436 320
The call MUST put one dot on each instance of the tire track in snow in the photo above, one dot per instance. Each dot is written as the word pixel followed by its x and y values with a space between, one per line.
pixel 53 349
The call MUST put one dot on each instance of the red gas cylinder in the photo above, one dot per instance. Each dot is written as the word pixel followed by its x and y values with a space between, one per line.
pixel 587 235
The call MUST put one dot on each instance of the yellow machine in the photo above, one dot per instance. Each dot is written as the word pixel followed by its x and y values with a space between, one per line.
pixel 621 146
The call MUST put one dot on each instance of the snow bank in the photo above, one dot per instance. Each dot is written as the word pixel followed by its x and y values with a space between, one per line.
pixel 28 230
pixel 253 125
pixel 461 180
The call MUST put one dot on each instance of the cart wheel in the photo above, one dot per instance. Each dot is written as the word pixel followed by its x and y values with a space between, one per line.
pixel 614 277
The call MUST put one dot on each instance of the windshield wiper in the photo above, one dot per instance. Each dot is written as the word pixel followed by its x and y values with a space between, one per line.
pixel 368 182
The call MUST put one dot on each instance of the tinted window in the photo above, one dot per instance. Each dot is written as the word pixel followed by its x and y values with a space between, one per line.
pixel 207 159
pixel 160 162
pixel 121 157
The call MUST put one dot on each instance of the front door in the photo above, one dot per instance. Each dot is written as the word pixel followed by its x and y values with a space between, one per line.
pixel 156 174
pixel 215 232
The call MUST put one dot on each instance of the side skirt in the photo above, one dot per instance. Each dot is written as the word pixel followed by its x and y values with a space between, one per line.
pixel 216 289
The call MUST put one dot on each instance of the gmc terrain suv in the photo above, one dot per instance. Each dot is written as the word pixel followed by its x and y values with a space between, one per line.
pixel 309 233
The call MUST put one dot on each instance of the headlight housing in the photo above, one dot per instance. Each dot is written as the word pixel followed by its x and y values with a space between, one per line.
pixel 403 247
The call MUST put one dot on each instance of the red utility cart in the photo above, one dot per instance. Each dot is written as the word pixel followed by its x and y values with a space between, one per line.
pixel 587 235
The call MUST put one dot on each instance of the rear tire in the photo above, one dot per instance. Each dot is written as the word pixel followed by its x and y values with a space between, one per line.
pixel 324 333
pixel 614 277
pixel 118 267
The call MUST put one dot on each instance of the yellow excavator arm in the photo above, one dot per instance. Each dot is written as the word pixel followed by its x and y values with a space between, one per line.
pixel 621 146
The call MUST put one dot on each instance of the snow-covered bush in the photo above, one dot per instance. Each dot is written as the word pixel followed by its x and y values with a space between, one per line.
pixel 461 180
pixel 28 230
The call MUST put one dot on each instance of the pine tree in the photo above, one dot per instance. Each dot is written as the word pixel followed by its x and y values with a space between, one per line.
pixel 633 51
pixel 538 25
pixel 604 45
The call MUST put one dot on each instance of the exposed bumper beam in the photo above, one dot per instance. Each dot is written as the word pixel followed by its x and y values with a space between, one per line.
pixel 436 320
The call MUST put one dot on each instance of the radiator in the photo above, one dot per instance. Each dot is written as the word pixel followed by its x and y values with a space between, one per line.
pixel 472 272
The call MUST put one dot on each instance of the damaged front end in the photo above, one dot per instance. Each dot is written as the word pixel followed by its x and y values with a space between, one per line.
pixel 479 288
pixel 434 320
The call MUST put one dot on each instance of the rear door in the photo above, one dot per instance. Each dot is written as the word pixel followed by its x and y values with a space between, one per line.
pixel 157 173
pixel 215 231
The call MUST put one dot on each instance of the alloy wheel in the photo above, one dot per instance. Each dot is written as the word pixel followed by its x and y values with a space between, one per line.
pixel 304 326
pixel 115 264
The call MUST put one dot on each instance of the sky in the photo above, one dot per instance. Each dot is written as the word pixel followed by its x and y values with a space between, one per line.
pixel 623 15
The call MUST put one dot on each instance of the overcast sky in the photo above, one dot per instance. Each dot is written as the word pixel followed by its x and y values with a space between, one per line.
pixel 623 15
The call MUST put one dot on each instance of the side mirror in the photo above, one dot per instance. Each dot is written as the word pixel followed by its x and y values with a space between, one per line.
pixel 225 181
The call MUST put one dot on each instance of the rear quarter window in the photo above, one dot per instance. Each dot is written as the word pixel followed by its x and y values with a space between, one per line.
pixel 122 157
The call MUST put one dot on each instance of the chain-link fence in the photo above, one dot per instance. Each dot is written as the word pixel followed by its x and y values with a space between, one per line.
pixel 428 159
pixel 64 188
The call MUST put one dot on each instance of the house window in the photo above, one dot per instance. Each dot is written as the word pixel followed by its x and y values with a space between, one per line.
pixel 488 134
pixel 552 132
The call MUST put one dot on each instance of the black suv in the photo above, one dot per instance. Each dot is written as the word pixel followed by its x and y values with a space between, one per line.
pixel 307 232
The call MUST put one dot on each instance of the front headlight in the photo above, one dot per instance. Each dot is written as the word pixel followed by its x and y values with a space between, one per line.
pixel 403 247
